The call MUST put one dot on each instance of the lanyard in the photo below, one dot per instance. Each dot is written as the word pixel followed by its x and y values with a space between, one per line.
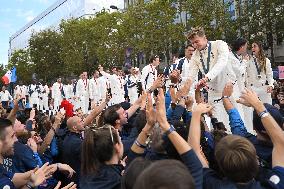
pixel 235 54
pixel 153 71
pixel 256 65
pixel 206 69
pixel 85 83
pixel 121 86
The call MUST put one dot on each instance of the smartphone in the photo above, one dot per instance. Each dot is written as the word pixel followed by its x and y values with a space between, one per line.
pixel 109 92
pixel 156 92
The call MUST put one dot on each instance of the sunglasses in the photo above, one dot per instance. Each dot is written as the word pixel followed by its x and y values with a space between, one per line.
pixel 109 127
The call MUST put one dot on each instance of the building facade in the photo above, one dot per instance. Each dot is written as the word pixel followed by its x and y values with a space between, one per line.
pixel 52 16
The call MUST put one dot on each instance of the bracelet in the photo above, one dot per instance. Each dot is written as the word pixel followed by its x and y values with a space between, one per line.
pixel 225 97
pixel 57 166
pixel 29 185
pixel 140 145
pixel 263 114
pixel 171 129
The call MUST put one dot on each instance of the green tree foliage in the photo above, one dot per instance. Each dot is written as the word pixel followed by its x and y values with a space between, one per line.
pixel 155 27
pixel 45 50
pixel 21 60
pixel 262 20
pixel 213 16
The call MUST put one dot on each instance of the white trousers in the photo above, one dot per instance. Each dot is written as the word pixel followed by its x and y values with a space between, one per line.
pixel 84 103
pixel 34 101
pixel 133 94
pixel 43 103
pixel 218 107
pixel 57 102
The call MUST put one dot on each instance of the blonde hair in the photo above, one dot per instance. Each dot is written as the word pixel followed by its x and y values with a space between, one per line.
pixel 197 31
pixel 237 159
pixel 261 57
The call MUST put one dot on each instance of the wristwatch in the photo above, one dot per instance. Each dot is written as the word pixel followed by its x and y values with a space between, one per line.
pixel 170 130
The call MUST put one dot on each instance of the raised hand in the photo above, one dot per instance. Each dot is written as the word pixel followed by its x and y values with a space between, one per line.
pixel 189 102
pixel 269 89
pixel 158 83
pixel 175 76
pixel 71 185
pixel 16 100
pixel 228 89
pixel 58 119
pixel 32 114
pixel 66 168
pixel 32 144
pixel 41 174
pixel 150 112
pixel 249 98
pixel 161 111
pixel 202 108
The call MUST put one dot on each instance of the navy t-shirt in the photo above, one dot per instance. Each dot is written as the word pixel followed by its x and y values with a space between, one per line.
pixel 6 179
pixel 211 180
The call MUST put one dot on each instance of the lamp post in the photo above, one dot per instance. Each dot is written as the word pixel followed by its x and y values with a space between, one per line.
pixel 114 7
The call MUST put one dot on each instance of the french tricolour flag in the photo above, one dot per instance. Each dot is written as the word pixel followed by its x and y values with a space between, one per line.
pixel 10 76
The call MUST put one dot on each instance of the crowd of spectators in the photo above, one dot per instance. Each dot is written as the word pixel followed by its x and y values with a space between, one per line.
pixel 149 144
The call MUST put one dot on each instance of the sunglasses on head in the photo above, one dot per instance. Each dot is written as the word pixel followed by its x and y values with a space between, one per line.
pixel 109 127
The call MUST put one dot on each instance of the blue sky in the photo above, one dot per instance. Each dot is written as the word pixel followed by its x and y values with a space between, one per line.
pixel 14 14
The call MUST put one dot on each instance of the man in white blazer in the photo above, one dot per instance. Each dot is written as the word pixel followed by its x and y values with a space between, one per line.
pixel 211 58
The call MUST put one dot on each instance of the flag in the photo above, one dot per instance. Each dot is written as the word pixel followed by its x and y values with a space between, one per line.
pixel 10 76
pixel 6 79
pixel 14 74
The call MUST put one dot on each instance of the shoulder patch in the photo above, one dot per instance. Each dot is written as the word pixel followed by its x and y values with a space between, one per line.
pixel 275 179
pixel 6 187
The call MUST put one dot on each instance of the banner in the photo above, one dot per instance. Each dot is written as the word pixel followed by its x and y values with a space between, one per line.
pixel 281 72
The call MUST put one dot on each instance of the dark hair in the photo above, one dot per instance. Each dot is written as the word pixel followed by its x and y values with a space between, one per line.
pixel 140 120
pixel 236 158
pixel 43 125
pixel 182 130
pixel 189 45
pixel 110 115
pixel 4 123
pixel 237 44
pixel 97 148
pixel 134 169
pixel 165 174
pixel 274 112
pixel 23 136
pixel 101 119
pixel 153 57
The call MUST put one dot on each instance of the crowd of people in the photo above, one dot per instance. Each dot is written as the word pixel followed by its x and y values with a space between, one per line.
pixel 212 119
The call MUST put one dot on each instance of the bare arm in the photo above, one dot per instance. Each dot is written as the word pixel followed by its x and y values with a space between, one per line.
pixel 20 179
pixel 179 143
pixel 272 128
pixel 94 113
pixel 12 114
pixel 48 138
pixel 195 131
pixel 151 120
